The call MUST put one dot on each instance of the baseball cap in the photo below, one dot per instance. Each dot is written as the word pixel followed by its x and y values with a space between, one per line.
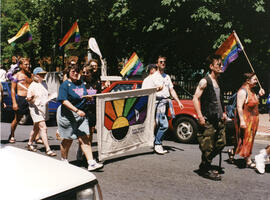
pixel 39 70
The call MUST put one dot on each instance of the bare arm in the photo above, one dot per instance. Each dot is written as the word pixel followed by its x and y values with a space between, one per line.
pixel 261 92
pixel 13 95
pixel 196 100
pixel 241 98
pixel 73 108
pixel 175 97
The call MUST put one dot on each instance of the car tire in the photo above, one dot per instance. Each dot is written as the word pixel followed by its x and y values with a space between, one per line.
pixel 185 129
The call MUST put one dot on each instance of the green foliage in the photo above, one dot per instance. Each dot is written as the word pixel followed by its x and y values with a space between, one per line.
pixel 186 31
pixel 259 6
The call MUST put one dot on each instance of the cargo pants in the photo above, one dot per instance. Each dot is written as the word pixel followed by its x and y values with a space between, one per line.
pixel 211 140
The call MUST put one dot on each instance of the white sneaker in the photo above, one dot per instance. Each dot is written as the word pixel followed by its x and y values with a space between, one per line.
pixel 65 160
pixel 159 149
pixel 93 165
pixel 260 165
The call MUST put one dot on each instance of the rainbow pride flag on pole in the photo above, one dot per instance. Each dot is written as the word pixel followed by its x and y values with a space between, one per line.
pixel 74 30
pixel 133 67
pixel 229 50
pixel 23 32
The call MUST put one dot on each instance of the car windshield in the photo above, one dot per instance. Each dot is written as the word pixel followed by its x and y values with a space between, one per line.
pixel 122 87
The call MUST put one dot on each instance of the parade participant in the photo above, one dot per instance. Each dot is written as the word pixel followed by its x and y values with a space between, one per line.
pixel 3 105
pixel 208 104
pixel 261 158
pixel 14 68
pixel 148 82
pixel 93 63
pixel 19 103
pixel 2 74
pixel 71 118
pixel 164 84
pixel 94 66
pixel 38 98
pixel 247 119
pixel 93 87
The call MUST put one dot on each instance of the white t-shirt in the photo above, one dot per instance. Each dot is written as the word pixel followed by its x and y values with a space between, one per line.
pixel 39 109
pixel 3 75
pixel 162 80
pixel 148 82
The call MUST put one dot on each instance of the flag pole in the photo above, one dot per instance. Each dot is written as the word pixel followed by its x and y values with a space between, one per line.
pixel 242 47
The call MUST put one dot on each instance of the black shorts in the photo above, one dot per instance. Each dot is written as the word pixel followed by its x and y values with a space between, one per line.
pixel 23 105
pixel 91 119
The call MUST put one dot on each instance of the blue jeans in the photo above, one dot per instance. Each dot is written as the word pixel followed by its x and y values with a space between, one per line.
pixel 162 127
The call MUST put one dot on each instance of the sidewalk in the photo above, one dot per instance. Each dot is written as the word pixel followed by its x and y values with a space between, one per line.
pixel 263 132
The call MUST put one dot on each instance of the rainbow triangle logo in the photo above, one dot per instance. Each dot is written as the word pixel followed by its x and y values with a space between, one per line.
pixel 122 113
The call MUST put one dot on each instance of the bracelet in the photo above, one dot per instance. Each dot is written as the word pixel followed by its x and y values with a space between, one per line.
pixel 77 110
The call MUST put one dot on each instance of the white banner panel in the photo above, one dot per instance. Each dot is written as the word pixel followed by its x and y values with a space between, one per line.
pixel 125 121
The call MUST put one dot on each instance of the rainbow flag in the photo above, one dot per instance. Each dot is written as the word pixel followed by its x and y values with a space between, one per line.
pixel 229 50
pixel 73 30
pixel 133 67
pixel 23 32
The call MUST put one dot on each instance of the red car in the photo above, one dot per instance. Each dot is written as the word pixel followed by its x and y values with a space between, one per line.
pixel 184 125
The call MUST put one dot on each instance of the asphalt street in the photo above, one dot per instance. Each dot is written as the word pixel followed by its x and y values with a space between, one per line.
pixel 141 174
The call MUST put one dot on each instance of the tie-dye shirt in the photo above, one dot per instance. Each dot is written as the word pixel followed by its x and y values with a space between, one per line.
pixel 73 92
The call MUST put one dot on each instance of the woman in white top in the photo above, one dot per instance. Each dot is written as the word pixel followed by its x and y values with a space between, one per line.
pixel 38 98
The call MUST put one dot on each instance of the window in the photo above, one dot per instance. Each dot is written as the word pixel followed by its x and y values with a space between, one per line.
pixel 122 87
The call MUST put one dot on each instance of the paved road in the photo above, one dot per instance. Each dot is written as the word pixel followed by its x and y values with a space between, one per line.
pixel 143 175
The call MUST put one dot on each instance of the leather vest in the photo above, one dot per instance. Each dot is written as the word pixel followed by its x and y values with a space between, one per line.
pixel 209 102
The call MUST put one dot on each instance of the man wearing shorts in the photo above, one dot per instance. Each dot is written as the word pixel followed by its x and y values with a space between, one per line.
pixel 19 87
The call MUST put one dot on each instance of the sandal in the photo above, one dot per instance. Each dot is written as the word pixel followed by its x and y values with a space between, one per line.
pixel 50 153
pixel 231 156
pixel 39 141
pixel 30 147
pixel 212 175
pixel 251 165
pixel 12 140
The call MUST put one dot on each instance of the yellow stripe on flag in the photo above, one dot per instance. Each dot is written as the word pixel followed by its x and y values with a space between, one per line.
pixel 224 55
pixel 21 32
pixel 129 64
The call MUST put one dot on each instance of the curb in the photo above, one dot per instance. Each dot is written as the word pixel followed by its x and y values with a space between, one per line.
pixel 262 136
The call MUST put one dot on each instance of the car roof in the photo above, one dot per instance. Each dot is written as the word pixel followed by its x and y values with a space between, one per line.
pixel 29 175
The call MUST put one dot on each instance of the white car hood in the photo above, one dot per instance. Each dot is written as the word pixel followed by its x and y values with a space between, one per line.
pixel 28 175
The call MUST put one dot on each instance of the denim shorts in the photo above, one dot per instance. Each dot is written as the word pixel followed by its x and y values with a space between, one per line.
pixel 70 124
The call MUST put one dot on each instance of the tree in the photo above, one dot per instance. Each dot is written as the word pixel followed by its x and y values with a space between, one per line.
pixel 186 31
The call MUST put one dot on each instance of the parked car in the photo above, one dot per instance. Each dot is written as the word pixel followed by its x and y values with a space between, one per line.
pixel 184 125
pixel 7 113
pixel 31 176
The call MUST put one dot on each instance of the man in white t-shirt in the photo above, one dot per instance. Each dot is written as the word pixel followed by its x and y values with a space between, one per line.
pixel 147 82
pixel 2 74
pixel 163 102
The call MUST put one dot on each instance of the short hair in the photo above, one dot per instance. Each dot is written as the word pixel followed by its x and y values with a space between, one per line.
pixel 210 59
pixel 69 68
pixel 23 59
pixel 150 66
pixel 161 56
pixel 88 68
pixel 93 60
pixel 248 76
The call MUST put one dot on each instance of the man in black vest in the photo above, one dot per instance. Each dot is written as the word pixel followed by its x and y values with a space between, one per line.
pixel 208 103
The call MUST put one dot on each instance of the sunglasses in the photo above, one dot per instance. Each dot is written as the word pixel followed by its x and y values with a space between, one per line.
pixel 85 72
pixel 162 61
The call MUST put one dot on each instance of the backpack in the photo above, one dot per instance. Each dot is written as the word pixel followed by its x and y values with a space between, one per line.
pixel 268 101
pixel 231 107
